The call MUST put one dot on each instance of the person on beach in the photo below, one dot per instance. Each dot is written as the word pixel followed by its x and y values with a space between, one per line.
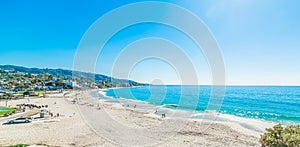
pixel 163 115
pixel 134 106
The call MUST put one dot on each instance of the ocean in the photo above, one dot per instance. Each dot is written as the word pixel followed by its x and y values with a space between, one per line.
pixel 271 103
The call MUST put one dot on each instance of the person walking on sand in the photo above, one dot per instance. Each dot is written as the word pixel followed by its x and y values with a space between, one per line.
pixel 163 115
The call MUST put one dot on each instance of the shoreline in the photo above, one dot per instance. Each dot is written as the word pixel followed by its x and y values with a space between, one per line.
pixel 91 121
pixel 253 124
pixel 269 106
pixel 143 124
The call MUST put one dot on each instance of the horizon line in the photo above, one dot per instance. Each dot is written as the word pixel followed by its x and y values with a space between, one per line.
pixel 168 84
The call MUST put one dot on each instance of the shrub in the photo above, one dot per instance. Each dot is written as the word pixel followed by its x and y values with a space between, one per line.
pixel 280 136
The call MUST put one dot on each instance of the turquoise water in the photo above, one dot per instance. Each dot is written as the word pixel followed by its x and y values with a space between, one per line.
pixel 272 103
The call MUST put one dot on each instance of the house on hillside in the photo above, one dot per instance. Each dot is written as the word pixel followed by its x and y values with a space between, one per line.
pixel 2 89
pixel 3 82
pixel 4 94
pixel 69 83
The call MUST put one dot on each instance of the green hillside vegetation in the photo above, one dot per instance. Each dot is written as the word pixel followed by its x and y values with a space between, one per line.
pixel 15 80
pixel 69 74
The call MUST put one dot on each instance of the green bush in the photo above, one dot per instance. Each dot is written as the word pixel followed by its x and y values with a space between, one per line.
pixel 280 136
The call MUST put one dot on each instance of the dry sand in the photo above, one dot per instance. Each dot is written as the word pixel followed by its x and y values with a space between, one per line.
pixel 83 124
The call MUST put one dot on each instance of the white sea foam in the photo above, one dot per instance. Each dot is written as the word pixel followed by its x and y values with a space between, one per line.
pixel 209 115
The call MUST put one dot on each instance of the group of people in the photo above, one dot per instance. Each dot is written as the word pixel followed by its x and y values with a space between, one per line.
pixel 53 115
pixel 163 115
pixel 133 106
pixel 23 107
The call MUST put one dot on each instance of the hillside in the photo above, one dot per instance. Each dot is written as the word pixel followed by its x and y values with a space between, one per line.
pixel 96 78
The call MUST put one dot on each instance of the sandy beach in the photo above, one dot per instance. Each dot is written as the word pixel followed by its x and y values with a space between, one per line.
pixel 97 122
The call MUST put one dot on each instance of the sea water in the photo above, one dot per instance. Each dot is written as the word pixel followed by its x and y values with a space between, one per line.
pixel 271 103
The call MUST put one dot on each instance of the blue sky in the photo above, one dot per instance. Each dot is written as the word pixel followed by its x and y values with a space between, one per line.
pixel 259 39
